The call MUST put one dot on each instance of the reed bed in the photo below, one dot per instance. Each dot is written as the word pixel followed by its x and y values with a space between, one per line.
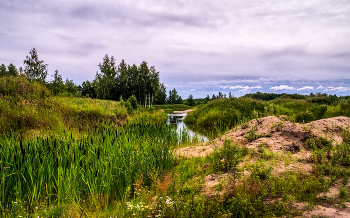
pixel 64 169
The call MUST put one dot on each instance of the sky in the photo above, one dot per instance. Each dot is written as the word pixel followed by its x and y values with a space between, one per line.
pixel 199 47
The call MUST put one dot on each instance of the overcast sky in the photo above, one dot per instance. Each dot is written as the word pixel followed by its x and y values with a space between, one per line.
pixel 199 46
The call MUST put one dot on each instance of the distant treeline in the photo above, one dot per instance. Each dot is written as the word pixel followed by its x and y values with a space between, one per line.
pixel 113 82
pixel 321 98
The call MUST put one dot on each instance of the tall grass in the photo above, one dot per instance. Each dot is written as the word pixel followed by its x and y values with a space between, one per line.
pixel 104 164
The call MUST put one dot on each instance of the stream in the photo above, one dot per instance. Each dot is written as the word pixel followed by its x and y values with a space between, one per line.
pixel 178 121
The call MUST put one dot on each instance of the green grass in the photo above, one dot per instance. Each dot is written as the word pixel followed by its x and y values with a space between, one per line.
pixel 30 107
pixel 94 159
pixel 46 171
pixel 224 114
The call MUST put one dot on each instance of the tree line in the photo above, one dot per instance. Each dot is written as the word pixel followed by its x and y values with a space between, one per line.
pixel 112 82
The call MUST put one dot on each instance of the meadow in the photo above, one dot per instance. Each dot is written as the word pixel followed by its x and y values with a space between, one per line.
pixel 66 156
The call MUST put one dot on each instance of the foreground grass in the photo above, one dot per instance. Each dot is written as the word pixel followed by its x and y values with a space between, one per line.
pixel 96 169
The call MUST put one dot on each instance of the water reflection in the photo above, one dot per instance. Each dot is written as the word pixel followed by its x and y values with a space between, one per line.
pixel 177 121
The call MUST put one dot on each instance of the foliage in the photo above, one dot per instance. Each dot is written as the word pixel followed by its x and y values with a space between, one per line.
pixel 124 80
pixel 35 69
pixel 11 70
pixel 174 98
pixel 190 100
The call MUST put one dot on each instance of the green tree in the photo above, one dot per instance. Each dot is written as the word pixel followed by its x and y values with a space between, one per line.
pixel 190 100
pixel 88 89
pixel 12 70
pixel 3 70
pixel 35 69
pixel 206 99
pixel 179 100
pixel 71 87
pixel 56 85
pixel 161 94
pixel 174 98
pixel 105 81
pixel 154 82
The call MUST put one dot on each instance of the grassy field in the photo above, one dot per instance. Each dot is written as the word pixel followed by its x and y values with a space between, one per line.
pixel 91 158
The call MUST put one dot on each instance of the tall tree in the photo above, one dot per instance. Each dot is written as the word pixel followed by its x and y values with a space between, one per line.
pixel 35 69
pixel 154 82
pixel 122 80
pixel 106 87
pixel 160 95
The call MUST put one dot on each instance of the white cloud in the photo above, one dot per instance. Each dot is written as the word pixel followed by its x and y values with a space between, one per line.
pixel 224 87
pixel 321 87
pixel 244 89
pixel 282 87
pixel 337 89
pixel 192 90
pixel 305 87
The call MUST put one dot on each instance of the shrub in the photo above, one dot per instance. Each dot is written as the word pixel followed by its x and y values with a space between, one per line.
pixel 241 206
pixel 133 102
pixel 343 192
pixel 251 135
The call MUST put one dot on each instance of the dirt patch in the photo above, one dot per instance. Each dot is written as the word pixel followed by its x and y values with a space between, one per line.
pixel 282 135
pixel 331 128
pixel 211 182
pixel 329 211
pixel 196 151
pixel 182 112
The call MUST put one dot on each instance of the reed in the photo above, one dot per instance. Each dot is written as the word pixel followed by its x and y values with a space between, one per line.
pixel 62 169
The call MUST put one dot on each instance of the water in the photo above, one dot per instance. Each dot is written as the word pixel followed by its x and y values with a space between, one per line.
pixel 178 121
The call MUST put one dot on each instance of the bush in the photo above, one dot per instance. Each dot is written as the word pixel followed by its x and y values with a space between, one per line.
pixel 133 102
pixel 241 206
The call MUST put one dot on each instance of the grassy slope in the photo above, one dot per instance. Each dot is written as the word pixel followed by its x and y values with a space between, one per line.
pixel 28 105
pixel 224 114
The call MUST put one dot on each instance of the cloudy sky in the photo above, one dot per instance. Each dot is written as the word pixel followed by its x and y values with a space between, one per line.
pixel 199 46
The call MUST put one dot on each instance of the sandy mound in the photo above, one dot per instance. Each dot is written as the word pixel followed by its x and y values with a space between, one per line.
pixel 275 133
pixel 280 135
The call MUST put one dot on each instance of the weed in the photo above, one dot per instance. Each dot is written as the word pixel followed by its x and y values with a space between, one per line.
pixel 251 135
pixel 343 192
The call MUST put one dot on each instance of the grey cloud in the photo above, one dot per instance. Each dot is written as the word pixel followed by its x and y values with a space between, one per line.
pixel 206 44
